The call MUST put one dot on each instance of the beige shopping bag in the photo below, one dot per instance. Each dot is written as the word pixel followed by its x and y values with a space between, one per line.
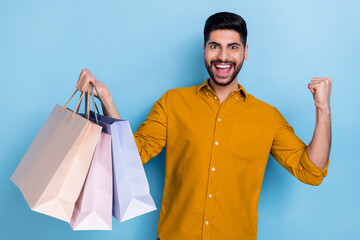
pixel 53 170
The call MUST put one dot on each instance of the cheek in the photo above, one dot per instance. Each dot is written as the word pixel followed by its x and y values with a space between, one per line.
pixel 208 56
pixel 239 56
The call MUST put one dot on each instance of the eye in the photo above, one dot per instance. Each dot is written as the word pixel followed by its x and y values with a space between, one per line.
pixel 213 46
pixel 234 47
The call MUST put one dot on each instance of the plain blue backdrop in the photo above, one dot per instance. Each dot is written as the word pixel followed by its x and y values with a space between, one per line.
pixel 140 49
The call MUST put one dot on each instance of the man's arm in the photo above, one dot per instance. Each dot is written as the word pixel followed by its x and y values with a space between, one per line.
pixel 319 147
pixel 110 106
pixel 306 163
pixel 151 136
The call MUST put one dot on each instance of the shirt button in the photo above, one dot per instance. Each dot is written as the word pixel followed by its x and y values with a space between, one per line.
pixel 210 196
pixel 216 143
pixel 213 169
pixel 215 97
pixel 207 92
pixel 219 119
pixel 207 223
pixel 236 97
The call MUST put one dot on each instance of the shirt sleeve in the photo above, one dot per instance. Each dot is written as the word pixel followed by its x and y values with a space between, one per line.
pixel 150 138
pixel 292 154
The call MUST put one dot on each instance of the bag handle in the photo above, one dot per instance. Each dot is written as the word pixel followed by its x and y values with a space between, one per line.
pixel 101 100
pixel 78 104
pixel 93 100
pixel 87 111
pixel 96 107
pixel 87 104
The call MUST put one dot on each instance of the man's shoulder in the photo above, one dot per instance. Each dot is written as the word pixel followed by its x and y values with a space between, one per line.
pixel 256 102
pixel 181 91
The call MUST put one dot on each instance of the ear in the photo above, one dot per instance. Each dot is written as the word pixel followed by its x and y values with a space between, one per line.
pixel 204 52
pixel 246 52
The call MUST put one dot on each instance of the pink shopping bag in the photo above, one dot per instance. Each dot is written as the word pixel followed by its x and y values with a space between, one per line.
pixel 93 208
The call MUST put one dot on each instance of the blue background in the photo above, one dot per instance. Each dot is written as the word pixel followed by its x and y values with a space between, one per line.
pixel 139 50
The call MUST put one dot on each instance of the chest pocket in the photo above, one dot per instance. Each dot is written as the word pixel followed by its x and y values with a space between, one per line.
pixel 244 139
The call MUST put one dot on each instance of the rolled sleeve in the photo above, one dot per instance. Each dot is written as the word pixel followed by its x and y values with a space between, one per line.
pixel 311 167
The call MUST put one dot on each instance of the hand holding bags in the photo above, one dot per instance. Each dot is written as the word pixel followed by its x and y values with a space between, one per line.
pixel 52 172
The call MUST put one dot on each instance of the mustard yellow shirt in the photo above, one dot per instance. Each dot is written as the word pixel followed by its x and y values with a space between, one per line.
pixel 216 155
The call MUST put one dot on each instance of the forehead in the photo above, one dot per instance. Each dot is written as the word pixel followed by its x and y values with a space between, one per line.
pixel 224 36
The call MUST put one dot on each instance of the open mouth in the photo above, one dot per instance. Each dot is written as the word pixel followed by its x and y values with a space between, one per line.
pixel 223 69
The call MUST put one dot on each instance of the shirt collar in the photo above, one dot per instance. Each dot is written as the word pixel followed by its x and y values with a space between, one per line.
pixel 206 84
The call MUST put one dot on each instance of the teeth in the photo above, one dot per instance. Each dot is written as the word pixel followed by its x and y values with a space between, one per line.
pixel 222 66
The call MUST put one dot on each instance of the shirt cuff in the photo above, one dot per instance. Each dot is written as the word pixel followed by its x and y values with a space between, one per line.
pixel 311 167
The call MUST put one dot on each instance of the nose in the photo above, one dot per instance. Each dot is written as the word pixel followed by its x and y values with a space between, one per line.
pixel 223 55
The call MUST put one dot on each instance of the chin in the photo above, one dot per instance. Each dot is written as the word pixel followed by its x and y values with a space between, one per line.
pixel 223 82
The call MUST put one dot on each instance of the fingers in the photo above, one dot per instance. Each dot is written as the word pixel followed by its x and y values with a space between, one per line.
pixel 319 79
pixel 312 85
pixel 318 82
pixel 84 79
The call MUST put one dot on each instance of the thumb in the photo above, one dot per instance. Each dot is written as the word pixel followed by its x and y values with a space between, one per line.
pixel 312 89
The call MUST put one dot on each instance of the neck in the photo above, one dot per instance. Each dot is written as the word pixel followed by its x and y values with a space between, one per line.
pixel 224 91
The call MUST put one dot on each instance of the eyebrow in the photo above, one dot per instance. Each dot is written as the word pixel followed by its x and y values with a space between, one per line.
pixel 230 44
pixel 234 43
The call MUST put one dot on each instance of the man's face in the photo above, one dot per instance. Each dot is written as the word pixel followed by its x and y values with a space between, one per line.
pixel 224 55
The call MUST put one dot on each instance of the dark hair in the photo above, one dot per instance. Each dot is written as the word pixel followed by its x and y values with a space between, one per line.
pixel 225 20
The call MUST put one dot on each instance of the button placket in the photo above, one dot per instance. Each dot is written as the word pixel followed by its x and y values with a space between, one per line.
pixel 212 176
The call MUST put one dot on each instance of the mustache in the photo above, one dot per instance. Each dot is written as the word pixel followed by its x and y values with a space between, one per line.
pixel 212 62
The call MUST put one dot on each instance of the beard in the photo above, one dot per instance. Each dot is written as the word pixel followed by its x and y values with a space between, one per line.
pixel 217 79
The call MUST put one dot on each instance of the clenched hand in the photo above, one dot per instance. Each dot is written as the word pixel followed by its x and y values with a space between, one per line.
pixel 321 88
pixel 86 77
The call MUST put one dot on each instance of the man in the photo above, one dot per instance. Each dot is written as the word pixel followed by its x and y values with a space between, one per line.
pixel 218 138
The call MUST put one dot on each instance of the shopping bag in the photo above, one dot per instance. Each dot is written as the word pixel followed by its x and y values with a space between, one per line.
pixel 53 170
pixel 131 194
pixel 93 208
